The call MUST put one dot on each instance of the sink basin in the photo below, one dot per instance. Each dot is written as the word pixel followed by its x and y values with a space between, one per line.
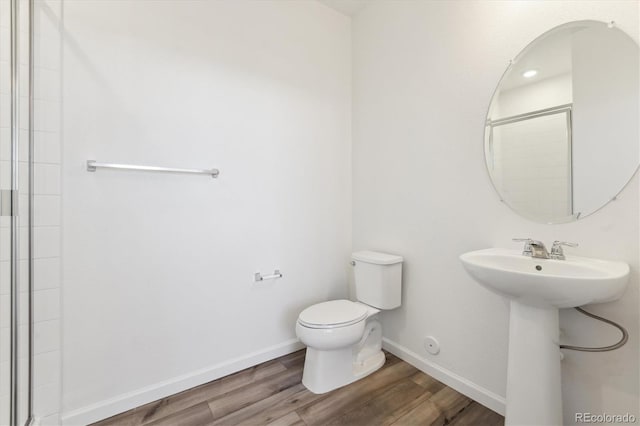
pixel 566 283
pixel 537 289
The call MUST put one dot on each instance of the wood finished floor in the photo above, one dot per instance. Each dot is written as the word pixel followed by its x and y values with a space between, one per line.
pixel 272 394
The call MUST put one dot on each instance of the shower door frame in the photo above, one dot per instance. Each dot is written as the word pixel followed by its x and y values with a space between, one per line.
pixel 9 207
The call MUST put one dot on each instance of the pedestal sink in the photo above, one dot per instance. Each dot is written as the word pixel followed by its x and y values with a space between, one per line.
pixel 537 288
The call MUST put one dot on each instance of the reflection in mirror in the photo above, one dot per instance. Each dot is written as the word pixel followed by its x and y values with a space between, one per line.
pixel 562 133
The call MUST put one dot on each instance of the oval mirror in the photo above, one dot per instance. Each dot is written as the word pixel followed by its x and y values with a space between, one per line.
pixel 562 133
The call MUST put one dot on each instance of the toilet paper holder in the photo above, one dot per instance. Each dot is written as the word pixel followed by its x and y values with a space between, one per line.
pixel 259 277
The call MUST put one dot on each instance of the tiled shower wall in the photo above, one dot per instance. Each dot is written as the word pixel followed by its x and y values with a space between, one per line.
pixel 47 205
pixel 47 199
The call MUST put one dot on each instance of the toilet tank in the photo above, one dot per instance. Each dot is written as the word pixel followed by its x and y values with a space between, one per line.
pixel 378 279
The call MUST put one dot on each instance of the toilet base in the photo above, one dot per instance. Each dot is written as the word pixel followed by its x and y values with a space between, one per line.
pixel 325 371
pixel 369 365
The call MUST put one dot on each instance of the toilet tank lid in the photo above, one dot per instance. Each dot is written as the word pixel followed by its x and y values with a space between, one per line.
pixel 376 258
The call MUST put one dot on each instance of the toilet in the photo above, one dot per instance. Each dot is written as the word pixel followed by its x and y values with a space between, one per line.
pixel 344 338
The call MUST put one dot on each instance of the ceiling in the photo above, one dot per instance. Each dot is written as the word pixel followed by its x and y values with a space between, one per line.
pixel 549 56
pixel 346 7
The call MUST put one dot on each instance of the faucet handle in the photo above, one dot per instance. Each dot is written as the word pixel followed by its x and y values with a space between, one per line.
pixel 564 243
pixel 556 250
pixel 526 251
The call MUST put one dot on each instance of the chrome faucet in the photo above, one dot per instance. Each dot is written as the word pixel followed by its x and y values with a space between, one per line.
pixel 533 248
pixel 526 251
pixel 556 250
pixel 536 249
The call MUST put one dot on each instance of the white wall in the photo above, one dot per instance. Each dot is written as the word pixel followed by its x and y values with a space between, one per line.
pixel 158 272
pixel 424 73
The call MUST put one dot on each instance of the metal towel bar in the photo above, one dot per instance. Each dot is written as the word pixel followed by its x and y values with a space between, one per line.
pixel 93 165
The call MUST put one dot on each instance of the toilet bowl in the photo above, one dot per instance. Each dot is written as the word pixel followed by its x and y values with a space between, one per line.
pixel 344 344
pixel 344 338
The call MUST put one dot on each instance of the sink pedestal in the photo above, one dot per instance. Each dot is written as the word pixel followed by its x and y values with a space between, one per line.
pixel 537 288
pixel 533 371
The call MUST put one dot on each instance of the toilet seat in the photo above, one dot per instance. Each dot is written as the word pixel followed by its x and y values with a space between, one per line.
pixel 333 314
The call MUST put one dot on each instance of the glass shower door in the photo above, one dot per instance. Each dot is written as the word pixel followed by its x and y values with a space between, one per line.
pixel 532 162
pixel 15 288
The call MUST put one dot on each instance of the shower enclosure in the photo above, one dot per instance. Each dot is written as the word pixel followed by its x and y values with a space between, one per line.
pixel 530 159
pixel 16 89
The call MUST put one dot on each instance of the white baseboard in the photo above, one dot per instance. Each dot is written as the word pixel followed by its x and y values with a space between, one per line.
pixel 107 408
pixel 476 392
pixel 124 402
